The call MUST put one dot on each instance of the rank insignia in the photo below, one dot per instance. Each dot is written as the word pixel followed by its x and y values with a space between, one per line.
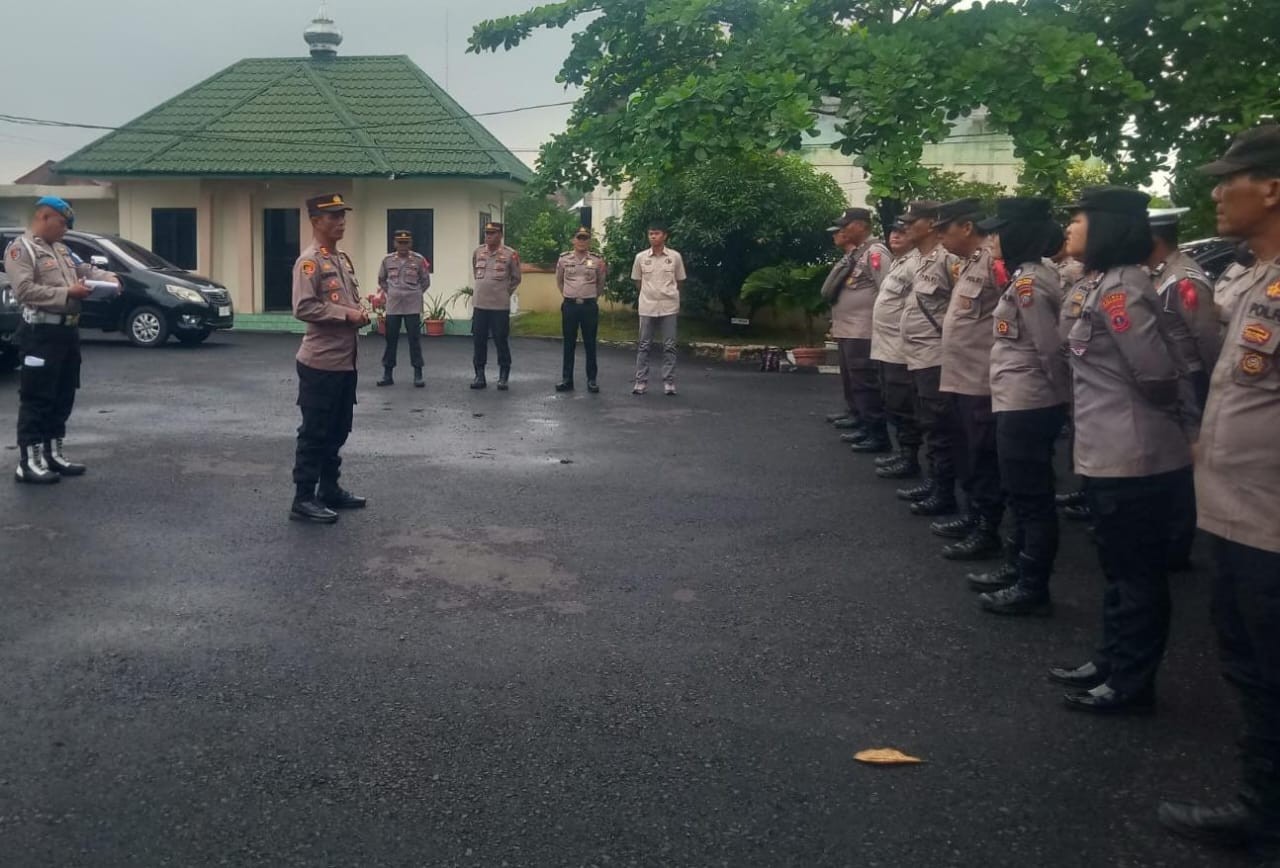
pixel 1256 334
pixel 1187 293
pixel 1273 291
pixel 1253 364
pixel 1002 327
pixel 308 267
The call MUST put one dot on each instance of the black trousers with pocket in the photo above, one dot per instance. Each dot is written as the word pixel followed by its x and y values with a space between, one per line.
pixel 977 462
pixel 900 404
pixel 936 415
pixel 579 315
pixel 412 323
pixel 491 322
pixel 860 377
pixel 327 400
pixel 1025 442
pixel 48 383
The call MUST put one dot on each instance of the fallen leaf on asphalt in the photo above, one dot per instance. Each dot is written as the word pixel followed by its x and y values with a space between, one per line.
pixel 885 756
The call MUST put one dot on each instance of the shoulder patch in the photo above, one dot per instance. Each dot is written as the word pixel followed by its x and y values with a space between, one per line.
pixel 1273 291
pixel 1188 295
pixel 1002 327
pixel 1113 302
pixel 1256 334
pixel 1026 294
pixel 14 253
pixel 308 267
pixel 875 259
pixel 1025 282
pixel 1000 272
pixel 955 270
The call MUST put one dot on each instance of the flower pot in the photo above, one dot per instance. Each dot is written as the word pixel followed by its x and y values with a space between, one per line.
pixel 809 357
pixel 433 327
pixel 382 324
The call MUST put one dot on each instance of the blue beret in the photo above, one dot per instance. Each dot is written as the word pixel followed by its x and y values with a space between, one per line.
pixel 62 206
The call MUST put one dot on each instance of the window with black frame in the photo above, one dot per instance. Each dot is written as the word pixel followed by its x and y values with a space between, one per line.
pixel 421 222
pixel 173 235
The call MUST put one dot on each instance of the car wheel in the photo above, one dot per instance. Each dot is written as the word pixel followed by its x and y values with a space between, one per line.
pixel 193 338
pixel 146 327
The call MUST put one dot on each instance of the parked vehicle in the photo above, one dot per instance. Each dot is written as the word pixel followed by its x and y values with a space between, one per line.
pixel 159 299
pixel 10 320
pixel 1212 254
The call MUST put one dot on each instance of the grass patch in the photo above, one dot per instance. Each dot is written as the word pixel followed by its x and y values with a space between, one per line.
pixel 625 326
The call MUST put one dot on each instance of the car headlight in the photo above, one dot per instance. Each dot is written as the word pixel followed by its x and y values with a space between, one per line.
pixel 185 293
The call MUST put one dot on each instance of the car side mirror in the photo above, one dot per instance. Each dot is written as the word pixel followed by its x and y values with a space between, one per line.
pixel 99 260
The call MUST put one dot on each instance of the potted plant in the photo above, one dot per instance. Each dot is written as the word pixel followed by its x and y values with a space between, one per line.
pixel 434 314
pixel 789 286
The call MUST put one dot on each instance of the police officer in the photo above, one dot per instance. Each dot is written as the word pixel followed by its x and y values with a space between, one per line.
pixel 850 289
pixel 1130 445
pixel 49 283
pixel 497 273
pixel 897 392
pixel 967 336
pixel 403 279
pixel 326 296
pixel 922 317
pixel 580 278
pixel 1238 488
pixel 1030 390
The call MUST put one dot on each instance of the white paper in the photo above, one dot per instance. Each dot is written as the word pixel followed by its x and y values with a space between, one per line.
pixel 102 289
pixel 33 362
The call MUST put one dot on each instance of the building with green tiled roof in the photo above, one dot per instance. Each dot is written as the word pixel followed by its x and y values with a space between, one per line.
pixel 215 177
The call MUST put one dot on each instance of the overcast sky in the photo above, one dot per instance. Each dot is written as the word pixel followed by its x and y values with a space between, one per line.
pixel 107 63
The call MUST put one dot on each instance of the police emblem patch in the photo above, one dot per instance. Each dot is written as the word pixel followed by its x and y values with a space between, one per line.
pixel 1002 327
pixel 335 296
pixel 13 254
pixel 875 260
pixel 1187 293
pixel 308 267
pixel 1253 364
pixel 1113 301
pixel 1273 291
pixel 1120 322
pixel 1256 334
pixel 1026 295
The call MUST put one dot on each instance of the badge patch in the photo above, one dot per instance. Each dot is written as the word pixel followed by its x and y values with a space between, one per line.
pixel 335 296
pixel 1026 295
pixel 1187 293
pixel 1253 364
pixel 1002 327
pixel 308 267
pixel 1113 302
pixel 1256 334
pixel 875 260
pixel 13 254
pixel 1120 322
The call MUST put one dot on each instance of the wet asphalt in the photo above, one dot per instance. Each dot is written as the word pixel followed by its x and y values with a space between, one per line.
pixel 569 630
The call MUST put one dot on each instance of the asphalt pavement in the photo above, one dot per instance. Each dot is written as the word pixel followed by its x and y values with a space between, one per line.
pixel 569 630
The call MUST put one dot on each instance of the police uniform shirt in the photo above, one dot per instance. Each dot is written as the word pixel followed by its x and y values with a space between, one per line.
pixel 1070 271
pixel 325 290
pixel 1029 368
pixel 886 314
pixel 497 274
pixel 1185 291
pixel 580 276
pixel 1125 380
pixel 405 279
pixel 967 332
pixel 926 308
pixel 1237 474
pixel 40 274
pixel 856 296
pixel 1227 291
pixel 659 275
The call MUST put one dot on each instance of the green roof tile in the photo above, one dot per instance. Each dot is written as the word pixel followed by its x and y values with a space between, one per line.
pixel 343 116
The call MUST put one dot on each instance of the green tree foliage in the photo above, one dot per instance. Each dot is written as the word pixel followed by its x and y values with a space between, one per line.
pixel 538 228
pixel 943 186
pixel 788 286
pixel 727 218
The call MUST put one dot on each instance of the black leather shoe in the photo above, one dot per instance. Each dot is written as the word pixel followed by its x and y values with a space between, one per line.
pixel 915 492
pixel 1078 513
pixel 886 460
pixel 417 378
pixel 592 387
pixel 901 470
pixel 871 444
pixel 934 504
pixel 1017 600
pixel 1103 700
pixel 847 423
pixel 562 386
pixel 478 382
pixel 1230 826
pixel 836 417
pixel 311 510
pixel 856 436
pixel 982 544
pixel 956 528
pixel 1071 498
pixel 386 378
pixel 340 498
pixel 1003 577
pixel 503 375
pixel 1083 677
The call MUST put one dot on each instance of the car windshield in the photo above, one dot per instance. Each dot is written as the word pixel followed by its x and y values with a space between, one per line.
pixel 138 254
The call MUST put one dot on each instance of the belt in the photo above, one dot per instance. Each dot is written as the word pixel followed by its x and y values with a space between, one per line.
pixel 31 316
pixel 580 300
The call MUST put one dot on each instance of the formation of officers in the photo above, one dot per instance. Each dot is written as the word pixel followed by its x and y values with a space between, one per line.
pixel 974 338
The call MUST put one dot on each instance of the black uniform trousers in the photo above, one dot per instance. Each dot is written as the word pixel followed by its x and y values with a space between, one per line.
pixel 1131 531
pixel 412 323
pixel 977 463
pixel 580 315
pixel 1246 612
pixel 860 377
pixel 936 416
pixel 327 400
pixel 899 394
pixel 498 324
pixel 48 383
pixel 1025 441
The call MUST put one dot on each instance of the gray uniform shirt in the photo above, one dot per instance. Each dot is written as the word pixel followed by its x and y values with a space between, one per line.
pixel 1029 368
pixel 1237 472
pixel 886 313
pixel 967 332
pixel 497 274
pixel 405 280
pixel 1125 381
pixel 855 293
pixel 926 308
pixel 1187 298
pixel 41 283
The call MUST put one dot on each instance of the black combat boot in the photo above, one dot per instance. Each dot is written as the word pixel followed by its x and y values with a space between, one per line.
pixel 1030 596
pixel 1071 498
pixel 565 385
pixel 386 378
pixel 848 423
pixel 836 417
pixel 504 374
pixel 886 460
pixel 1002 576
pixel 57 462
pixel 335 496
pixel 478 382
pixel 941 502
pixel 956 528
pixel 32 467
pixel 876 440
pixel 1236 825
pixel 982 543
pixel 916 492
pixel 307 508
pixel 417 378
pixel 907 467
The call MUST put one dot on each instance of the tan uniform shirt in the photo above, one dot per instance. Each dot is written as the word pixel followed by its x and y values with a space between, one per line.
pixel 886 315
pixel 324 290
pixel 967 332
pixel 659 278
pixel 1070 271
pixel 41 283
pixel 405 279
pixel 856 295
pixel 1227 291
pixel 926 308
pixel 1125 381
pixel 1029 368
pixel 497 275
pixel 1237 471
pixel 580 276
pixel 1186 294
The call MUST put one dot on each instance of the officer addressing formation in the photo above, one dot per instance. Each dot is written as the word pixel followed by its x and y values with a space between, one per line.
pixel 983 332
